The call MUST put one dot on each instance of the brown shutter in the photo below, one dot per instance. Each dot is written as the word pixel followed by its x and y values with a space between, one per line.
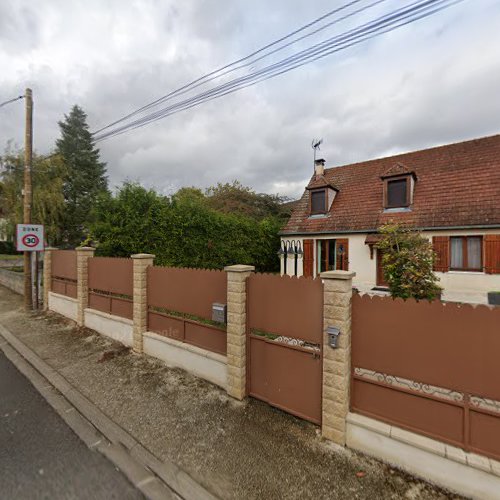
pixel 492 253
pixel 343 259
pixel 308 257
pixel 441 245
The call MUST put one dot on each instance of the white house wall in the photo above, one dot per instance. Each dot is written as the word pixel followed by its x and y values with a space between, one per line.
pixel 458 286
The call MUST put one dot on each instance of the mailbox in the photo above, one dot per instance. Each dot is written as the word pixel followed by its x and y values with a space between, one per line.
pixel 333 336
pixel 219 312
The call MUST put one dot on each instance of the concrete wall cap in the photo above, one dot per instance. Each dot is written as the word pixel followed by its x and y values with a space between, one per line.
pixel 239 268
pixel 143 256
pixel 85 249
pixel 337 275
pixel 50 248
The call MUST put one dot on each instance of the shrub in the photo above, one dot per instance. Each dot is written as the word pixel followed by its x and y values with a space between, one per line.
pixel 407 263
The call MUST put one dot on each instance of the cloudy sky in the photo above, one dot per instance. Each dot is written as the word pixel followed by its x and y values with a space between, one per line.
pixel 430 83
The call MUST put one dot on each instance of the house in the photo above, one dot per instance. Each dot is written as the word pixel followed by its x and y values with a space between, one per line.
pixel 451 193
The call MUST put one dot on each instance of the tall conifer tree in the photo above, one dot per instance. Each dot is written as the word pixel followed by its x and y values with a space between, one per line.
pixel 86 174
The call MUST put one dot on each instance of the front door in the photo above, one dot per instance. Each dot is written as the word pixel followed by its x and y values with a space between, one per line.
pixel 380 272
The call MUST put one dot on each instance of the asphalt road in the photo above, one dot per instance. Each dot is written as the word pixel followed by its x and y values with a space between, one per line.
pixel 41 457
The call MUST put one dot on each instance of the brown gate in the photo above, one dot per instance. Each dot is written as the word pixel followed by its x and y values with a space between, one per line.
pixel 285 324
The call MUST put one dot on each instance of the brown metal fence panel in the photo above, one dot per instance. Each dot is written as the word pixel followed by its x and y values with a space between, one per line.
pixel 485 433
pixel 110 274
pixel 208 337
pixel 448 345
pixel 286 306
pixel 117 306
pixel 189 291
pixel 180 303
pixel 439 419
pixel 64 287
pixel 63 271
pixel 167 326
pixel 64 264
pixel 285 328
pixel 429 367
pixel 111 285
pixel 286 377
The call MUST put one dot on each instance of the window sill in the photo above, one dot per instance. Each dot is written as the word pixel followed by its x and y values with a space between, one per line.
pixel 455 271
pixel 317 216
pixel 395 210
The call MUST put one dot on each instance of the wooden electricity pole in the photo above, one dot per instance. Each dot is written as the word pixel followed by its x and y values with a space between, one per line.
pixel 28 195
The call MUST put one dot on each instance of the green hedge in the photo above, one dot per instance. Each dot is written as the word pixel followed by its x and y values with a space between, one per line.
pixel 183 231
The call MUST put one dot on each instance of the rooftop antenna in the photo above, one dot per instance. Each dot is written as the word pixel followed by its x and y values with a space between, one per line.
pixel 316 146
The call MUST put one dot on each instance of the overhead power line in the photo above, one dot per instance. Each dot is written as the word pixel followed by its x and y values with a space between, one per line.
pixel 204 78
pixel 11 100
pixel 230 68
pixel 246 81
pixel 383 24
pixel 402 14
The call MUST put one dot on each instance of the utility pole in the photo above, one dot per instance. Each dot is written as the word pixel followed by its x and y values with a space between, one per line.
pixel 28 195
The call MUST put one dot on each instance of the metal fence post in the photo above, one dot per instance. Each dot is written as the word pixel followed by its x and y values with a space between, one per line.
pixel 236 329
pixel 83 254
pixel 337 296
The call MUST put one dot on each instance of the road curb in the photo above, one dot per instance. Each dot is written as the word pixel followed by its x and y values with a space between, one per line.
pixel 154 478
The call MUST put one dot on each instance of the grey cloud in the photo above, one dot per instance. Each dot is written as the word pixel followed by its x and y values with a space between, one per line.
pixel 19 30
pixel 429 84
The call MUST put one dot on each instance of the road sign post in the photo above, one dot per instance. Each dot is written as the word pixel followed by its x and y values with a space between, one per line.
pixel 30 238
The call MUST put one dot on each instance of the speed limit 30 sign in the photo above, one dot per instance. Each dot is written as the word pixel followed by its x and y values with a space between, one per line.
pixel 30 238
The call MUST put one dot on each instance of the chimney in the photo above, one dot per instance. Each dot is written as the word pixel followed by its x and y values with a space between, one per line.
pixel 319 167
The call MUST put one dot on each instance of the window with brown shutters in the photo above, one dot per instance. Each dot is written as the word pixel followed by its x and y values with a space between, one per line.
pixel 492 253
pixel 441 245
pixel 466 253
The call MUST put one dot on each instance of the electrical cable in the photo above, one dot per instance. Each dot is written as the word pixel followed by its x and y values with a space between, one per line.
pixel 212 73
pixel 383 24
pixel 276 65
pixel 11 100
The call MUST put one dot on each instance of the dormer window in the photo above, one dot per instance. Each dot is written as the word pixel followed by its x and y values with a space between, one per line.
pixel 318 201
pixel 397 192
pixel 321 192
pixel 399 183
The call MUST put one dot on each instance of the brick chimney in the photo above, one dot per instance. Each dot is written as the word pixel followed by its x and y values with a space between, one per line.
pixel 319 167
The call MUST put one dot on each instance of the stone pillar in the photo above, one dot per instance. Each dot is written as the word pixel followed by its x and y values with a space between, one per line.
pixel 83 254
pixel 141 263
pixel 237 329
pixel 47 275
pixel 336 362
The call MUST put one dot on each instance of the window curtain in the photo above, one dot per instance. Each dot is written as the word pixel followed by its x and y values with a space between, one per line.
pixel 457 253
pixel 474 253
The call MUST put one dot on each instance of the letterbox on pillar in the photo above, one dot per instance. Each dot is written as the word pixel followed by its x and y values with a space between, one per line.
pixel 219 312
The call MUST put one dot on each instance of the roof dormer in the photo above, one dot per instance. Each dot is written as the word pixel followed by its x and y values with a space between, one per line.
pixel 321 192
pixel 399 185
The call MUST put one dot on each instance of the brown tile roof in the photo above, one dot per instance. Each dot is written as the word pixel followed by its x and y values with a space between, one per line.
pixel 318 181
pixel 457 185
